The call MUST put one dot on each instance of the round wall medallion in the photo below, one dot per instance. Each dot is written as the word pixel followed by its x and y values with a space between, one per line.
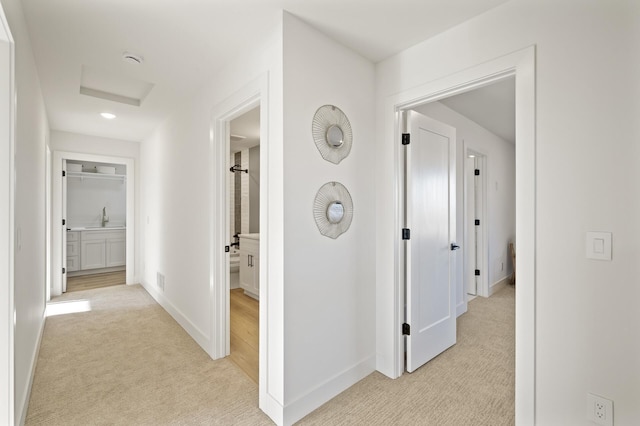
pixel 333 209
pixel 332 133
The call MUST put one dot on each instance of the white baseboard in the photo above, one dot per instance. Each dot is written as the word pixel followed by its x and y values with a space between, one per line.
pixel 201 338
pixel 322 393
pixel 271 408
pixel 461 309
pixel 24 403
pixel 497 286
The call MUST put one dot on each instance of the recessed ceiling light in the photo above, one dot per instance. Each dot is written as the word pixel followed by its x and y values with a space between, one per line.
pixel 472 156
pixel 108 115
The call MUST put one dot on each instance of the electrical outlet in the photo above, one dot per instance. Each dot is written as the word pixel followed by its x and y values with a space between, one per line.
pixel 599 410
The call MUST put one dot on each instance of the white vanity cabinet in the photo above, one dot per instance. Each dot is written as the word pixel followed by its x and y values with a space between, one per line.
pixel 73 251
pixel 102 249
pixel 250 264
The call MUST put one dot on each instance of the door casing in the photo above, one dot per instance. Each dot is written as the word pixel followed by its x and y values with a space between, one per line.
pixel 520 64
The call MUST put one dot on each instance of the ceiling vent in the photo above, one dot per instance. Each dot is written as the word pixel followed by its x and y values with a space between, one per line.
pixel 132 58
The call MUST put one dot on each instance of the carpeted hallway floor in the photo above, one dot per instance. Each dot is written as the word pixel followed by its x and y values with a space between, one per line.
pixel 127 362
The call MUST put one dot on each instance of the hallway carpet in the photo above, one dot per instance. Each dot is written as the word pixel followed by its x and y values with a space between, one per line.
pixel 127 362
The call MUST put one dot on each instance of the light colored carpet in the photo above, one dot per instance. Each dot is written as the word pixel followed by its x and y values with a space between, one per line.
pixel 127 362
pixel 472 383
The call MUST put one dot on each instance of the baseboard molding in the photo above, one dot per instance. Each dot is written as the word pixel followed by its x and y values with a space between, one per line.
pixel 497 286
pixel 24 403
pixel 322 393
pixel 201 338
pixel 461 308
pixel 271 407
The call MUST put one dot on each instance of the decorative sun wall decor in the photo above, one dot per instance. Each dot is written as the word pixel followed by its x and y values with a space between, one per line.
pixel 333 209
pixel 332 133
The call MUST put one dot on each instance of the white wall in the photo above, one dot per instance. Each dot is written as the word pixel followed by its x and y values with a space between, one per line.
pixel 587 324
pixel 87 197
pixel 32 132
pixel 176 205
pixel 329 284
pixel 501 179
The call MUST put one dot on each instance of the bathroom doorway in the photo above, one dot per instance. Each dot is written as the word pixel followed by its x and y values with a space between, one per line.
pixel 244 234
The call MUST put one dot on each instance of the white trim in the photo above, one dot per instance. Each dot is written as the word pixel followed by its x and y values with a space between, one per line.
pixel 483 288
pixel 7 229
pixel 522 65
pixel 271 348
pixel 327 390
pixel 196 333
pixel 498 285
pixel 56 251
pixel 32 372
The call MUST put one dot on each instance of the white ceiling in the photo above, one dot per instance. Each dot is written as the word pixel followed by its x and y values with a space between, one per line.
pixel 492 107
pixel 184 42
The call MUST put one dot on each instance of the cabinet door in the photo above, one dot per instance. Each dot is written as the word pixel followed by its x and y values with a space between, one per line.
pixel 73 263
pixel 256 276
pixel 93 254
pixel 116 252
pixel 246 272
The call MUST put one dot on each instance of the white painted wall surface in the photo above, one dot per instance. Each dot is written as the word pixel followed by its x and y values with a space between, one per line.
pixel 329 284
pixel 588 100
pixel 87 144
pixel 31 134
pixel 87 197
pixel 501 188
pixel 176 205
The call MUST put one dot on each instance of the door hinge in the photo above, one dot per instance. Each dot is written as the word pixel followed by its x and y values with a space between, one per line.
pixel 477 272
pixel 406 329
pixel 406 234
pixel 477 222
pixel 64 270
pixel 476 172
pixel 406 138
pixel 226 249
pixel 64 222
pixel 64 173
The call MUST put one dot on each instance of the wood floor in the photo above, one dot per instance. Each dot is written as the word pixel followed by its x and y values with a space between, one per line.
pixel 244 332
pixel 88 282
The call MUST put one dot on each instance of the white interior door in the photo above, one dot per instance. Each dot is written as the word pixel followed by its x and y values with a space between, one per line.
pixel 470 246
pixel 430 256
pixel 64 225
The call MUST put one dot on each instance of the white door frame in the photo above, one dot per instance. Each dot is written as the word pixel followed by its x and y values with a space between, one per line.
pixel 483 287
pixel 56 217
pixel 7 220
pixel 254 94
pixel 520 64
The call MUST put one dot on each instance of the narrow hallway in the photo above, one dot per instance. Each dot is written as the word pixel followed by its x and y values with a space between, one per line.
pixel 126 361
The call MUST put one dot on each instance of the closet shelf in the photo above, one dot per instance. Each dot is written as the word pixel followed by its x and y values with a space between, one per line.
pixel 86 175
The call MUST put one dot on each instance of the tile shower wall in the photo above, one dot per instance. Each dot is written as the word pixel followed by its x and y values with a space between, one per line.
pixel 239 203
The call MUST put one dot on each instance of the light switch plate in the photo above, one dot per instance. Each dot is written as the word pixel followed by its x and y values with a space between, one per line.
pixel 598 245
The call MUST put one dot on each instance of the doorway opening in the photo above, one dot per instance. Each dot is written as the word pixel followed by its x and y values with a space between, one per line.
pixel 244 232
pixel 95 209
pixel 93 204
pixel 521 65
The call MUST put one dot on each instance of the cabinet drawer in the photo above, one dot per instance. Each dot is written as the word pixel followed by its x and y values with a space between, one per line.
pixel 73 248
pixel 73 235
pixel 73 263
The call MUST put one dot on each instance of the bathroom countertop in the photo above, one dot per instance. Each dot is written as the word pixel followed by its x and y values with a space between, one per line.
pixel 255 236
pixel 97 228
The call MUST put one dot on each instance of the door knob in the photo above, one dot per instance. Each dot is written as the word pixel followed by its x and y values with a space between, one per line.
pixel 454 246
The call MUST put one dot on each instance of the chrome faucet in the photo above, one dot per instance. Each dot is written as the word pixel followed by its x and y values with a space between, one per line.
pixel 105 218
